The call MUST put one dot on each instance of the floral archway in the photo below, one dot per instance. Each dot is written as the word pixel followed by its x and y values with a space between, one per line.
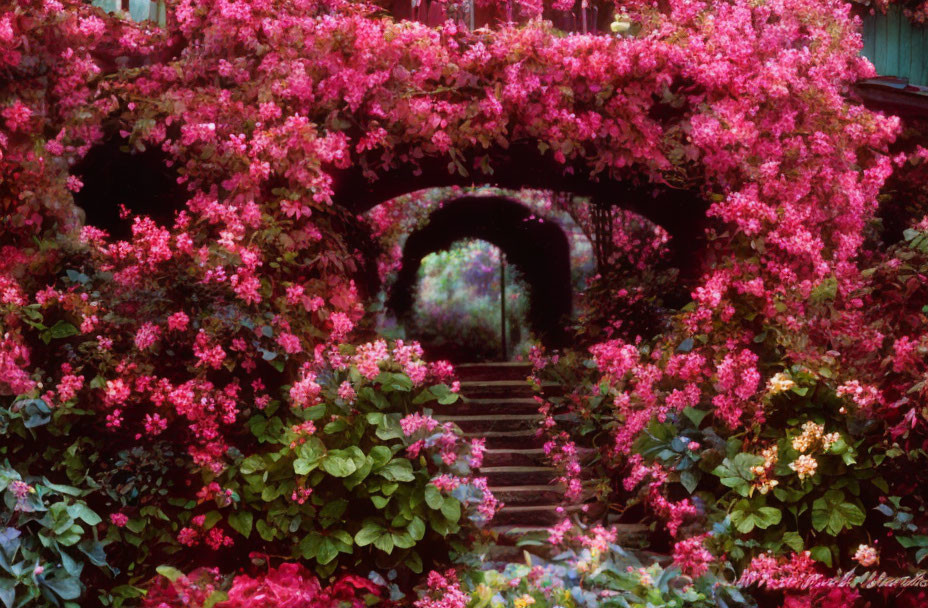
pixel 284 119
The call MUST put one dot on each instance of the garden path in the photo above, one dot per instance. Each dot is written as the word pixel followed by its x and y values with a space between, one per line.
pixel 498 406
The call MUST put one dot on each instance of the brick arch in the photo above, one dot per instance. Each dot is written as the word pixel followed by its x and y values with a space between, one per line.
pixel 540 250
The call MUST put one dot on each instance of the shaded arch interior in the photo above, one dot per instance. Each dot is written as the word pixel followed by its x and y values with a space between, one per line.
pixel 540 250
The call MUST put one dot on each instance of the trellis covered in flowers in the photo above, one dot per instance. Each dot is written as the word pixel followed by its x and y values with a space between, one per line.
pixel 229 349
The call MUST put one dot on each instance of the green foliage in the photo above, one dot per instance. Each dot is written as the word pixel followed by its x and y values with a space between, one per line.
pixel 48 539
pixel 366 502
pixel 584 578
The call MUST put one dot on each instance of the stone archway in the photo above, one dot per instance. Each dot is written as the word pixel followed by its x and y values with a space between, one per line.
pixel 540 250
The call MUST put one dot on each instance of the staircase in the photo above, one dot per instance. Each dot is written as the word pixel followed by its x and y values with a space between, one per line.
pixel 498 406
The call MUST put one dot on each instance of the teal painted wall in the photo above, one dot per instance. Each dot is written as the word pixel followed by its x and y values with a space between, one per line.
pixel 896 46
pixel 139 10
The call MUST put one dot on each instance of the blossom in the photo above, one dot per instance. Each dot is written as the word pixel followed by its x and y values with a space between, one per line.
pixel 147 335
pixel 68 386
pixel 346 392
pixel 21 491
pixel 209 354
pixel 119 519
pixel 368 356
pixel 523 601
pixel 290 343
pixel 444 591
pixel 866 556
pixel 187 537
pixel 804 466
pixel 779 383
pixel 305 392
pixel 117 391
pixel 691 556
pixel 178 321
pixel 341 325
pixel 413 423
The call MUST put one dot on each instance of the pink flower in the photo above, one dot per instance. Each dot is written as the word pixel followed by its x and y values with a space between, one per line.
pixel 188 537
pixel 68 387
pixel 119 519
pixel 305 392
pixel 117 391
pixel 147 335
pixel 341 325
pixel 691 556
pixel 17 115
pixel 178 321
pixel 210 355
pixel 413 423
pixel 866 556
pixel 74 184
pixel 290 343
pixel 346 392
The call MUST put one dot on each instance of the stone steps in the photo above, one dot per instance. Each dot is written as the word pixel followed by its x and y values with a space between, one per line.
pixel 473 389
pixel 476 423
pixel 500 440
pixel 505 370
pixel 509 457
pixel 499 407
pixel 472 407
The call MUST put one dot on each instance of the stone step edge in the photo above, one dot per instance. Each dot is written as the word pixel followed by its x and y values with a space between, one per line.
pixel 494 364
pixel 488 417
pixel 501 384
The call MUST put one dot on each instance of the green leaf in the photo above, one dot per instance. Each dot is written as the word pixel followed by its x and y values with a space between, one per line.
pixel 7 592
pixel 315 412
pixel 301 466
pixel 65 587
pixel 336 426
pixel 403 540
pixel 327 551
pixel 62 329
pixel 368 533
pixel 736 474
pixel 433 497
pixel 241 522
pixel 266 532
pixel 385 543
pixel 444 395
pixel 251 464
pixel 339 463
pixel 831 513
pixel 81 511
pixel 334 509
pixel 416 528
pixel 381 455
pixel 309 545
pixel 689 480
pixel 451 509
pixel 695 416
pixel 793 540
pixel 380 501
pixel 748 514
pixel 821 554
pixel 398 469
pixel 170 573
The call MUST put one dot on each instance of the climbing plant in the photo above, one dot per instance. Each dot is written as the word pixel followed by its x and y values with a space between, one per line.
pixel 169 355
